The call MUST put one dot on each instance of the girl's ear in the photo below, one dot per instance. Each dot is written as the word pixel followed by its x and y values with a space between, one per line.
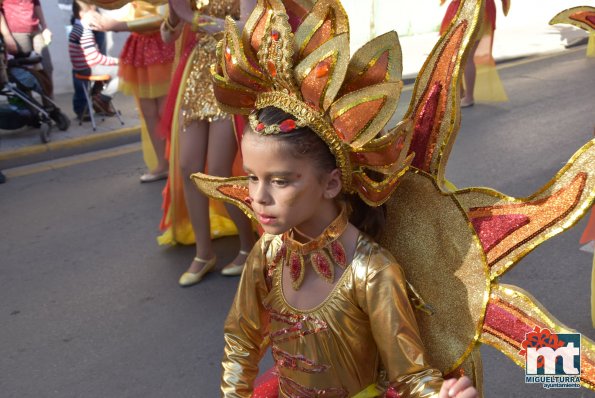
pixel 333 184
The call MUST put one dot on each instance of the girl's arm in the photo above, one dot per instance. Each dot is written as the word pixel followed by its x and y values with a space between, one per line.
pixel 171 27
pixel 104 23
pixel 395 331
pixel 11 44
pixel 396 334
pixel 245 329
pixel 206 23
pixel 45 32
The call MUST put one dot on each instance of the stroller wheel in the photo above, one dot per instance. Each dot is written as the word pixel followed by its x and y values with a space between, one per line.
pixel 44 132
pixel 62 121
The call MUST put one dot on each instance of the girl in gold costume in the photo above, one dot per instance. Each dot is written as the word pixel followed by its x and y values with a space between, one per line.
pixel 344 316
pixel 331 302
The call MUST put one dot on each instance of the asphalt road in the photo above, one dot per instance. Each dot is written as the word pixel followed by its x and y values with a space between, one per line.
pixel 90 307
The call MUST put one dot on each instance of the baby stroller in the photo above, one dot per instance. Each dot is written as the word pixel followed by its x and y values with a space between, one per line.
pixel 18 83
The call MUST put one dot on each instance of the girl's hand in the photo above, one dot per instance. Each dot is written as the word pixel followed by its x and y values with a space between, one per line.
pixel 47 36
pixel 459 388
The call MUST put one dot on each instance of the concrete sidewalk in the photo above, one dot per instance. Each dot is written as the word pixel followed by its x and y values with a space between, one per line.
pixel 21 147
pixel 24 146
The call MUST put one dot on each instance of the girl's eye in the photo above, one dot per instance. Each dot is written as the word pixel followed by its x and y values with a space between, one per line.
pixel 280 182
pixel 252 178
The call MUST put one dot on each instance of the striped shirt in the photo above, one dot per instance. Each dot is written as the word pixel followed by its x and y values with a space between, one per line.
pixel 83 50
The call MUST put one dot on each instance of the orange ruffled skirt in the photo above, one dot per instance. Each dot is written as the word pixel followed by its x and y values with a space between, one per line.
pixel 146 64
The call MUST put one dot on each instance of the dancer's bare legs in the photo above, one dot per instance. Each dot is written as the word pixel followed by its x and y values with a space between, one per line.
pixel 193 144
pixel 220 157
pixel 213 144
pixel 469 75
pixel 151 109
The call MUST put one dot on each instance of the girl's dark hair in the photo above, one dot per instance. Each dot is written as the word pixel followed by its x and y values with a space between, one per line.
pixel 77 7
pixel 303 142
pixel 76 11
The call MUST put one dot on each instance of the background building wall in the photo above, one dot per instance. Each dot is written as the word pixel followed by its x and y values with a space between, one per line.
pixel 413 20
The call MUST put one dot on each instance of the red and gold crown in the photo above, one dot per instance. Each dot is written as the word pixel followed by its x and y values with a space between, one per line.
pixel 307 73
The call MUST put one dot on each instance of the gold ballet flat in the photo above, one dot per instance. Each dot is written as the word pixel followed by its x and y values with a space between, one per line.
pixel 190 278
pixel 234 269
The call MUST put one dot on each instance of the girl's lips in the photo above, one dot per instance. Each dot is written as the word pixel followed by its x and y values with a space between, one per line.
pixel 265 219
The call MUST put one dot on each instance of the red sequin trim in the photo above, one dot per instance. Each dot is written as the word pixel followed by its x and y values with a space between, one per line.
pixel 298 362
pixel 299 326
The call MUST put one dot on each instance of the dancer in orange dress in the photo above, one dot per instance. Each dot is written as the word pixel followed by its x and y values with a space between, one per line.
pixel 146 64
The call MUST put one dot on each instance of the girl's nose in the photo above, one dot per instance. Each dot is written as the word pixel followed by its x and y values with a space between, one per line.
pixel 260 195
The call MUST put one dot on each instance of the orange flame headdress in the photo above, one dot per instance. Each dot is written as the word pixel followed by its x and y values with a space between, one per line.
pixel 309 75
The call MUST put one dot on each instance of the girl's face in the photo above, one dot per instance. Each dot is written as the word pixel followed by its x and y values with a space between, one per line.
pixel 286 191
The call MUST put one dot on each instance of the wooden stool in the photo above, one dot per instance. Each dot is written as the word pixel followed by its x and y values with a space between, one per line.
pixel 87 81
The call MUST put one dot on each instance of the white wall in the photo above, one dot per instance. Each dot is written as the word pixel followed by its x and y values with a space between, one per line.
pixel 410 18
pixel 528 19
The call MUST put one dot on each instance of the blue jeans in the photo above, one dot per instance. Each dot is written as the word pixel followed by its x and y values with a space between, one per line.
pixel 78 99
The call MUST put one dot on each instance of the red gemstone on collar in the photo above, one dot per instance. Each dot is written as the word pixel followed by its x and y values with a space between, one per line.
pixel 322 265
pixel 287 125
pixel 295 267
pixel 275 35
pixel 338 253
pixel 260 126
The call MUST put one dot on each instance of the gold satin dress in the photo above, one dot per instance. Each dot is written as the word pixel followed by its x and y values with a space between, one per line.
pixel 198 100
pixel 364 333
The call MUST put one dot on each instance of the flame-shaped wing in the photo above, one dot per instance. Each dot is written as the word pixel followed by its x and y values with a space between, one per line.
pixel 512 313
pixel 510 228
pixel 434 107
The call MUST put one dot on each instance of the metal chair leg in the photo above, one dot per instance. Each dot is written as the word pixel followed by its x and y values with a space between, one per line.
pixel 87 91
pixel 117 112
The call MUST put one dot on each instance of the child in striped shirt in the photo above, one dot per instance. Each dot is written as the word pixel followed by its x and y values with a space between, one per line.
pixel 86 58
